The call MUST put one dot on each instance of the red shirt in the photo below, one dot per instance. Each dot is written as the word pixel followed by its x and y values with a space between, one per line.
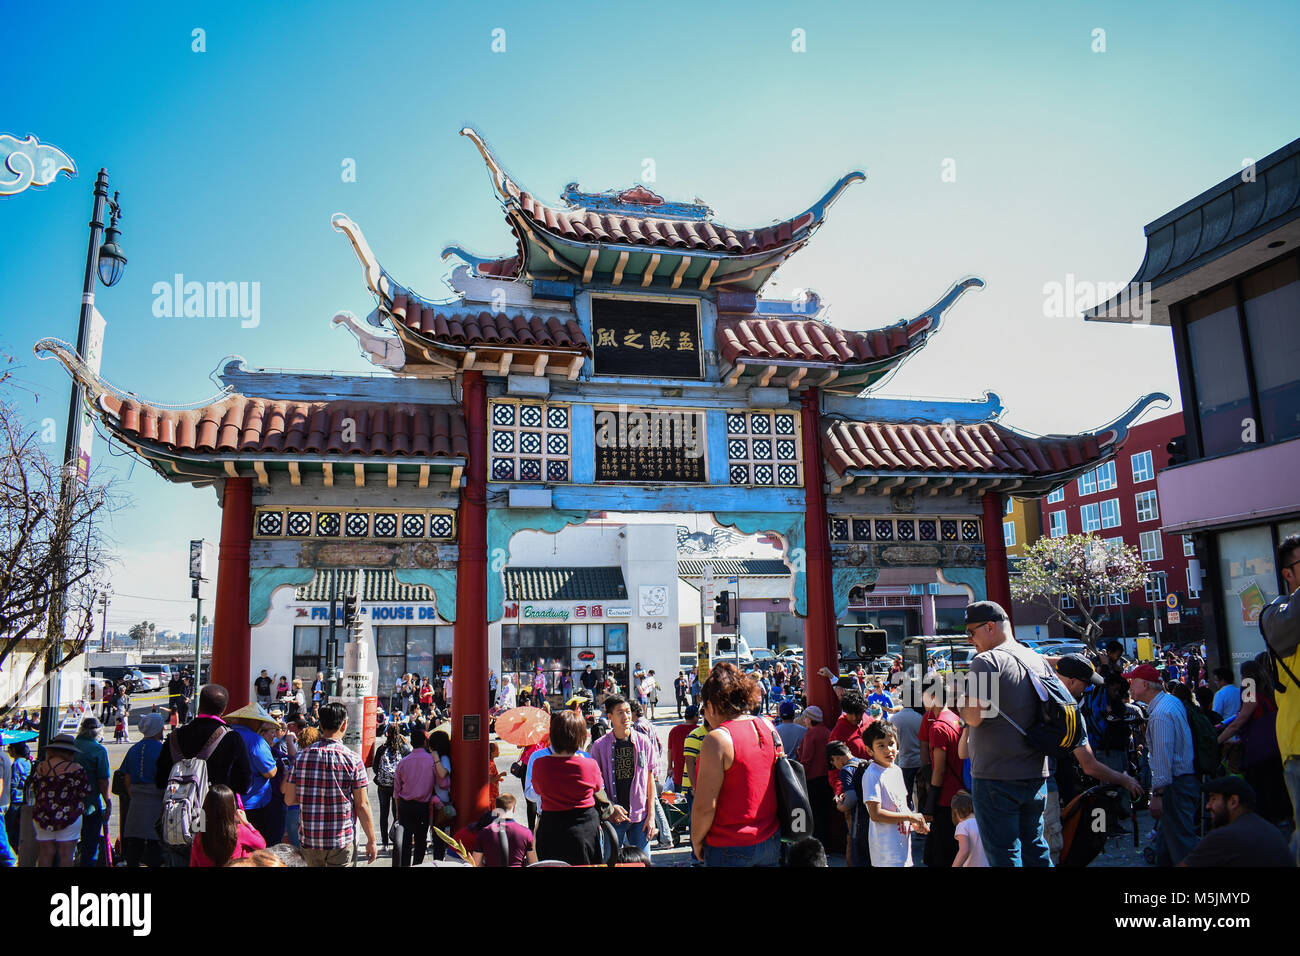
pixel 566 783
pixel 746 813
pixel 677 750
pixel 812 751
pixel 851 733
pixel 945 733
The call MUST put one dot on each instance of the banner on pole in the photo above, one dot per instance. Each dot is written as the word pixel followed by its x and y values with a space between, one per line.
pixel 92 358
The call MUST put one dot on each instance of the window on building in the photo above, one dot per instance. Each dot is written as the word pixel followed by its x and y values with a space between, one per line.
pixel 1156 587
pixel 1150 546
pixel 1110 512
pixel 1055 496
pixel 1091 517
pixel 1192 590
pixel 1011 504
pixel 1117 598
pixel 1147 507
pixel 1009 533
pixel 1088 483
pixel 1067 602
pixel 1218 371
pixel 1056 524
pixel 1189 546
pixel 1272 306
pixel 1106 476
pixel 1142 468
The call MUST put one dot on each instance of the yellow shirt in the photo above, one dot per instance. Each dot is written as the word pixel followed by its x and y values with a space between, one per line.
pixel 691 748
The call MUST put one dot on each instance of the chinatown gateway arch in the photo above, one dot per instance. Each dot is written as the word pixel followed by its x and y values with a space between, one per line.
pixel 491 424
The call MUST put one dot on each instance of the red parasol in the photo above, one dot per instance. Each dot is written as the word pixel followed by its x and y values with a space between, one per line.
pixel 523 726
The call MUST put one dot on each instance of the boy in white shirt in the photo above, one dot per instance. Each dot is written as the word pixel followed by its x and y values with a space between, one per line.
pixel 885 795
pixel 970 851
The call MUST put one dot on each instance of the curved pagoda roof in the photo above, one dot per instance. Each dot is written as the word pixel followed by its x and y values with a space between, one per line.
pixel 634 237
pixel 878 456
pixel 238 435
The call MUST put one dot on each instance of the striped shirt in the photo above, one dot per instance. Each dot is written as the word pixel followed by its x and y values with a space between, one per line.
pixel 691 748
pixel 326 774
pixel 1169 740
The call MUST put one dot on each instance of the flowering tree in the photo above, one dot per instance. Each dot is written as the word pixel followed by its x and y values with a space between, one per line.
pixel 1082 567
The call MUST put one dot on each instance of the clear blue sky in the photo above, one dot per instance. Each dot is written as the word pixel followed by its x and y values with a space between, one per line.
pixel 229 166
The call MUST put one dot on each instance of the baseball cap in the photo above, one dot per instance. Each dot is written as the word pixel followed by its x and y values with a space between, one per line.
pixel 813 712
pixel 1230 787
pixel 1144 672
pixel 1080 668
pixel 982 612
pixel 787 709
pixel 845 682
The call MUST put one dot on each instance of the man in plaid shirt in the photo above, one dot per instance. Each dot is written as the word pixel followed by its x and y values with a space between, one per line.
pixel 330 782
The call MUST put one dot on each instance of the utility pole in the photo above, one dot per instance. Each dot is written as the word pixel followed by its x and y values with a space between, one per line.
pixel 103 628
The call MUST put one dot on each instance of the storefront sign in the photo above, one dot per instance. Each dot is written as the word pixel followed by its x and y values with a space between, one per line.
pixel 619 612
pixel 379 612
pixel 546 613
pixel 646 339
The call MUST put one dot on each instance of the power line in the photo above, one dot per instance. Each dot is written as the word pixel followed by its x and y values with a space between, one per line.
pixel 142 597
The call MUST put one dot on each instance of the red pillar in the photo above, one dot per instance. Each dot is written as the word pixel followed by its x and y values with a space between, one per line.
pixel 996 583
pixel 469 653
pixel 819 644
pixel 231 632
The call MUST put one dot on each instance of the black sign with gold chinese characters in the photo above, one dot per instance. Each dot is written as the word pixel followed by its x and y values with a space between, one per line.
pixel 649 445
pixel 646 339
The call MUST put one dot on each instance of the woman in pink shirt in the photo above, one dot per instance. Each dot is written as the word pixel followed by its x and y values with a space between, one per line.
pixel 226 833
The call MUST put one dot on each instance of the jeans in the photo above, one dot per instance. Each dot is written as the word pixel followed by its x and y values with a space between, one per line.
pixel 1009 814
pixel 292 817
pixel 767 853
pixel 1178 832
pixel 1052 831
pixel 1291 773
pixel 413 815
pixel 176 857
pixel 633 835
pixel 91 848
pixel 137 849
pixel 385 804
pixel 7 856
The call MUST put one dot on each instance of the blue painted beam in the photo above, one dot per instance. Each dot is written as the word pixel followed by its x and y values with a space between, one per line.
pixel 927 410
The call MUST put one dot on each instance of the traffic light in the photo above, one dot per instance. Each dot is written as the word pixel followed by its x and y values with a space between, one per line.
pixel 722 608
pixel 349 611
pixel 1177 449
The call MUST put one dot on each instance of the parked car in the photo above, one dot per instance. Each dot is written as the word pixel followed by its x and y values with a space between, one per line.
pixel 1063 648
pixel 133 679
pixel 156 675
pixel 792 653
pixel 688 662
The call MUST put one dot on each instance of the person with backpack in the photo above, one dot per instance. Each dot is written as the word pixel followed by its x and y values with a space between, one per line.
pixel 1256 725
pixel 385 762
pixel 503 842
pixel 59 789
pixel 203 752
pixel 1175 788
pixel 849 802
pixel 1279 626
pixel 944 778
pixel 1009 772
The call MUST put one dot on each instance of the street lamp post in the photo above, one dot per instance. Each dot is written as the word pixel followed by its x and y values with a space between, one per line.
pixel 103 631
pixel 106 262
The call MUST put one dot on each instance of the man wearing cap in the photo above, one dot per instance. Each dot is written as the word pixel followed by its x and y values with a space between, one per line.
pixel 812 754
pixel 1175 796
pixel 1241 837
pixel 92 755
pixel 253 724
pixel 1009 775
pixel 1080 679
pixel 791 733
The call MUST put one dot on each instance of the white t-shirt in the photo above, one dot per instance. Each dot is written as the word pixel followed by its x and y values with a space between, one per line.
pixel 969 829
pixel 891 843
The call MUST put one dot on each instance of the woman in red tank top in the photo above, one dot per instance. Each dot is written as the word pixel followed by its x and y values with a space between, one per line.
pixel 734 814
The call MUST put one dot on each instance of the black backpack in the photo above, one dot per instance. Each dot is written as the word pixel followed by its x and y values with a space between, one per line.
pixel 1058 722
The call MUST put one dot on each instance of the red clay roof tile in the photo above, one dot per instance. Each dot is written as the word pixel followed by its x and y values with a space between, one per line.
pixel 810 340
pixel 244 424
pixel 987 447
pixel 492 330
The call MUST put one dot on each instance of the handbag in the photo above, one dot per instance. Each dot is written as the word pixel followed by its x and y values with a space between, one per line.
pixel 793 808
pixel 118 789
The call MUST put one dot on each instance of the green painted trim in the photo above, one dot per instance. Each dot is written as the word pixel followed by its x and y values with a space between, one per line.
pixel 844 580
pixel 502 525
pixel 262 582
pixel 973 577
pixel 790 526
pixel 441 581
